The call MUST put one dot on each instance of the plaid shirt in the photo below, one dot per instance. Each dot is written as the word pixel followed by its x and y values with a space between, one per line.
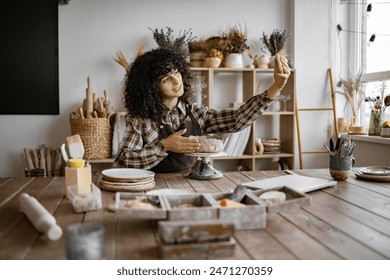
pixel 142 148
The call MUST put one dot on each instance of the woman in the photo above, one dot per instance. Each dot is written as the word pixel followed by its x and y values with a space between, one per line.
pixel 161 116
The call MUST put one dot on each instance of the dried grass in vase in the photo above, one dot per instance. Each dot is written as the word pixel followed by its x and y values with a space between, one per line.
pixel 353 93
pixel 234 40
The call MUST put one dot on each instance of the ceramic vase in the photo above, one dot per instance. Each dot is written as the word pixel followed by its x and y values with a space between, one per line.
pixel 263 62
pixel 259 146
pixel 234 60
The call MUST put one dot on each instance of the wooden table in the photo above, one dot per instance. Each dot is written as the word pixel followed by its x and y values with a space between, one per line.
pixel 349 221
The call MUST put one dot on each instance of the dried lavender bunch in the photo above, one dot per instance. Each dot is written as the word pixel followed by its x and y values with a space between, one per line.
pixel 165 39
pixel 275 41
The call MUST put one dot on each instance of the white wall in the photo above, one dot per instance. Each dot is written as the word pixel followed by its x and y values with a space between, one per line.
pixel 92 31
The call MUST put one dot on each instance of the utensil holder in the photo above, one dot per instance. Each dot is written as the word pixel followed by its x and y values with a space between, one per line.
pixel 81 177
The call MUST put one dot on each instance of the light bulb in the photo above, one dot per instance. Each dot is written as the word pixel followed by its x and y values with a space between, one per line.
pixel 372 39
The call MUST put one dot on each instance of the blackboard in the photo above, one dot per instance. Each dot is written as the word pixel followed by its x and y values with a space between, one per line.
pixel 29 60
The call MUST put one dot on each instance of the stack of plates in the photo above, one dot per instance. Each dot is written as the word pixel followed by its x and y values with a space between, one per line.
pixel 271 146
pixel 127 179
pixel 374 173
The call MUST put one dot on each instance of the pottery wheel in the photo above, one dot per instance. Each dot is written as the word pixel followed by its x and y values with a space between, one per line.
pixel 205 171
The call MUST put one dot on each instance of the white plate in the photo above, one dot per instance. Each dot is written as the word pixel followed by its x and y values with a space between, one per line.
pixel 367 177
pixel 127 174
pixel 124 188
pixel 125 183
pixel 375 170
pixel 168 192
pixel 219 154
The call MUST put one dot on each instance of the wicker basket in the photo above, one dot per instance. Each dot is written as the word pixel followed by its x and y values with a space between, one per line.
pixel 96 135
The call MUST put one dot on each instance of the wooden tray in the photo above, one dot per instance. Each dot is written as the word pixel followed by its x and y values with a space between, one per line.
pixel 294 199
pixel 252 216
pixel 203 208
pixel 123 198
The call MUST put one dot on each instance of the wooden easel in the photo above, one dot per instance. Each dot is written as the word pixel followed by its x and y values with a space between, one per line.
pixel 333 108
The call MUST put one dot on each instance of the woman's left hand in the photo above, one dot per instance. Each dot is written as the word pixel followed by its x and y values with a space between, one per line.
pixel 281 75
pixel 281 71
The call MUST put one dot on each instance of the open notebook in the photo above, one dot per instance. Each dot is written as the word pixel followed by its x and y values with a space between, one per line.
pixel 296 182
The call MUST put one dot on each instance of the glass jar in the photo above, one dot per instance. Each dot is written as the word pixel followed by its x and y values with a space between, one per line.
pixel 376 121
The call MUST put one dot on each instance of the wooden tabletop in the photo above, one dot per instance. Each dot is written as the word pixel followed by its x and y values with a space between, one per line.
pixel 348 221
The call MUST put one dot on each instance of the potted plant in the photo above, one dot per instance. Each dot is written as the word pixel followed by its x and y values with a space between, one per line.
pixel 214 58
pixel 233 43
pixel 274 43
pixel 378 106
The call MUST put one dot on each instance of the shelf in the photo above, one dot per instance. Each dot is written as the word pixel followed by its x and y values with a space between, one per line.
pixel 103 160
pixel 219 87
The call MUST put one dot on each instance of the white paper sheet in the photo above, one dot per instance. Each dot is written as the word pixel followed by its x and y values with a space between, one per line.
pixel 298 183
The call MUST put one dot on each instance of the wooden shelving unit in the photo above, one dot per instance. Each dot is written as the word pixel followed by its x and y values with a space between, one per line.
pixel 221 86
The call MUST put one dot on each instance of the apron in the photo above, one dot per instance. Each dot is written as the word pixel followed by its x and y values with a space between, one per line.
pixel 177 162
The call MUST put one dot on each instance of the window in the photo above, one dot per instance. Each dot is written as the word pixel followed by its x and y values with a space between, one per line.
pixel 376 54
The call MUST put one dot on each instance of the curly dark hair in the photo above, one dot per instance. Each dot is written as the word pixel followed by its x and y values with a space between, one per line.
pixel 142 95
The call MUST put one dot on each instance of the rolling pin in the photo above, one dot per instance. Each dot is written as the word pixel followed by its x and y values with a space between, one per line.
pixel 89 100
pixel 30 164
pixel 35 158
pixel 107 103
pixel 42 159
pixel 49 162
pixel 102 113
pixel 42 220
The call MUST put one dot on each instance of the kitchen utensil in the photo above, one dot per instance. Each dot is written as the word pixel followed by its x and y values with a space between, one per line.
pixel 338 144
pixel 238 193
pixel 81 112
pixel 107 103
pixel 64 154
pixel 42 220
pixel 102 113
pixel 30 164
pixel 89 98
pixel 331 145
pixel 75 146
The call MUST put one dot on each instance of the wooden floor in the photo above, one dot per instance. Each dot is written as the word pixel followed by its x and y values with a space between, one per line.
pixel 349 221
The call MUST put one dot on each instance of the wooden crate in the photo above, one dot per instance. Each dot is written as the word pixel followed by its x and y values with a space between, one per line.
pixel 252 216
pixel 294 199
pixel 207 239
pixel 180 232
pixel 198 251
pixel 203 208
